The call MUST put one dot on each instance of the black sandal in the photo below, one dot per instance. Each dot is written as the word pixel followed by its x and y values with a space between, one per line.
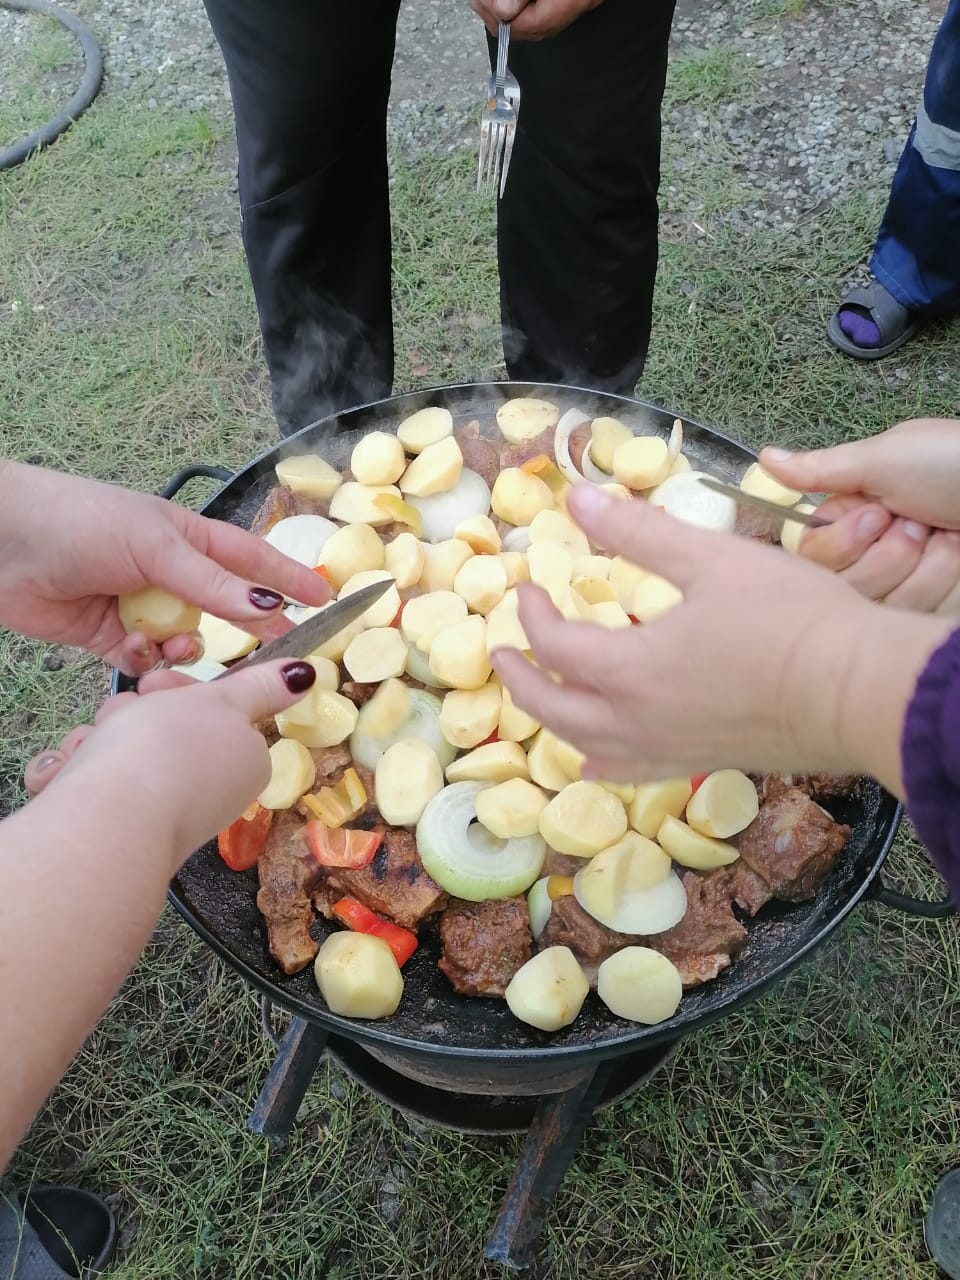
pixel 55 1233
pixel 895 322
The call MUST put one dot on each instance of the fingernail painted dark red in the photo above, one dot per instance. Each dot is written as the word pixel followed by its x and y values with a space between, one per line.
pixel 298 676
pixel 261 598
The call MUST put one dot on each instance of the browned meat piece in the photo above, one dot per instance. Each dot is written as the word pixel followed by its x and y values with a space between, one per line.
pixel 579 439
pixel 394 884
pixel 561 864
pixel 288 874
pixel 281 502
pixel 358 693
pixel 479 454
pixel 758 525
pixel 792 844
pixel 747 890
pixel 589 940
pixel 331 764
pixel 515 455
pixel 484 944
pixel 818 786
pixel 709 934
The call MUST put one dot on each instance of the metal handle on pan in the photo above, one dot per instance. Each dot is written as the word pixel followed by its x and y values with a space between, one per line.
pixel 911 906
pixel 174 485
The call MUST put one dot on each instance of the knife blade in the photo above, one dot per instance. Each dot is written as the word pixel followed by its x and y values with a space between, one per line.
pixel 761 504
pixel 316 631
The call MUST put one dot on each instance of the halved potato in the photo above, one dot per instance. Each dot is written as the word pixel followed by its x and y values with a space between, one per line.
pixel 526 417
pixel 458 654
pixel 469 716
pixel 641 462
pixel 424 616
pixel 653 801
pixel 629 866
pixel 654 596
pixel 425 427
pixel 379 653
pixel 333 718
pixel 793 530
pixel 355 503
pixel 514 725
pixel 404 560
pixel 356 548
pixel 606 435
pixel 691 849
pixel 494 762
pixel 435 470
pixel 383 611
pixel 358 976
pixel 549 990
pixel 640 984
pixel 583 819
pixel 594 591
pixel 292 774
pixel 328 677
pixel 608 613
pixel 407 777
pixel 516 567
pixel 625 577
pixel 222 641
pixel 761 484
pixel 377 459
pixel 334 648
pixel 504 629
pixel 554 526
pixel 442 561
pixel 159 614
pixel 542 761
pixel 724 804
pixel 568 758
pixel 624 791
pixel 480 535
pixel 511 808
pixel 517 496
pixel 550 566
pixel 309 476
pixel 481 581
pixel 387 710
pixel 593 566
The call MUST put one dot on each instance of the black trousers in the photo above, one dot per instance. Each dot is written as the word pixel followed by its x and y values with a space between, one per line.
pixel 577 237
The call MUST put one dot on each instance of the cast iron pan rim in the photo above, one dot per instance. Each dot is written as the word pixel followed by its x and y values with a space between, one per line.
pixel 617 1041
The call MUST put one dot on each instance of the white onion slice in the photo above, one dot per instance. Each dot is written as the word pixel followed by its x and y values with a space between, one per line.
pixel 675 443
pixel 539 906
pixel 423 722
pixel 685 498
pixel 643 912
pixel 464 858
pixel 517 539
pixel 418 666
pixel 302 537
pixel 442 512
pixel 572 419
pixel 591 472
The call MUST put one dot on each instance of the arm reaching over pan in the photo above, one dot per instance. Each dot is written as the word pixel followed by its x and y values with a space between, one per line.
pixel 767 663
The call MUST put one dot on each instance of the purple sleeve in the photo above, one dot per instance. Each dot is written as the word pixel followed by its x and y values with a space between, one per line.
pixel 930 753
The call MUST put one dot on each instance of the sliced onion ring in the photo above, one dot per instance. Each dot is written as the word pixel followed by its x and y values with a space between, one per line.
pixel 442 512
pixel 685 498
pixel 517 539
pixel 572 419
pixel 675 443
pixel 591 472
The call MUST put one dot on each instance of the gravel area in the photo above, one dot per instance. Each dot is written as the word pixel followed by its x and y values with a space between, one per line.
pixel 823 94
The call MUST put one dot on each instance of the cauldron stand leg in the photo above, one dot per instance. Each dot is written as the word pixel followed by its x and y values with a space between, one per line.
pixel 550 1146
pixel 279 1100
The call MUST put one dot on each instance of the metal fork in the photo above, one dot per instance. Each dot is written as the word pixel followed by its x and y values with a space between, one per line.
pixel 498 122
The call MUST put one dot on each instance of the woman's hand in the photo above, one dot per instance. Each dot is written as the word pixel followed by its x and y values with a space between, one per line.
pixel 531 19
pixel 768 664
pixel 71 546
pixel 893 487
pixel 190 756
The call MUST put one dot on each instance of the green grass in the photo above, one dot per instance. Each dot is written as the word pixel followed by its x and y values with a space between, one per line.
pixel 708 76
pixel 48 70
pixel 798 1140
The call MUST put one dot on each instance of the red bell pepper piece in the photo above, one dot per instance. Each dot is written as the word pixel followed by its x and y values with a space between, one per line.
pixel 324 573
pixel 697 781
pixel 242 843
pixel 494 737
pixel 399 614
pixel 343 846
pixel 361 919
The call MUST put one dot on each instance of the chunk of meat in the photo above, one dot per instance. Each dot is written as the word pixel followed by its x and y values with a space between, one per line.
pixel 484 944
pixel 394 884
pixel 515 455
pixel 747 889
pixel 331 763
pixel 792 844
pixel 760 526
pixel 589 940
pixel 281 502
pixel 561 864
pixel 709 935
pixel 579 439
pixel 818 786
pixel 479 454
pixel 288 874
pixel 358 693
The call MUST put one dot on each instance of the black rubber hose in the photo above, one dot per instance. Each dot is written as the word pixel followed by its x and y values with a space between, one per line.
pixel 89 85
